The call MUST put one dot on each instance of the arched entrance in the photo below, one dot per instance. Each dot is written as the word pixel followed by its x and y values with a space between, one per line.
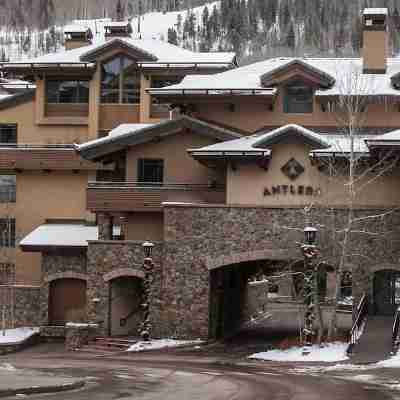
pixel 125 312
pixel 231 298
pixel 386 291
pixel 67 301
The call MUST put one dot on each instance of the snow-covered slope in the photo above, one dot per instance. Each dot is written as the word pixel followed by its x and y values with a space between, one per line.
pixel 33 43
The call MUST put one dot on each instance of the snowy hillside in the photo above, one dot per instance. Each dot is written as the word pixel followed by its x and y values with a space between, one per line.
pixel 31 43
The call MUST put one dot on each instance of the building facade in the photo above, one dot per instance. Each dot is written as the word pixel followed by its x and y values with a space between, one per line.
pixel 223 187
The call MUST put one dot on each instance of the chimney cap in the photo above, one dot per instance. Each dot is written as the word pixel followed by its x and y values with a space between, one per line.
pixel 375 11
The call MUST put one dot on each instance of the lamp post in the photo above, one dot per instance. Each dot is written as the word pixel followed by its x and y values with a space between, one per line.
pixel 310 286
pixel 148 266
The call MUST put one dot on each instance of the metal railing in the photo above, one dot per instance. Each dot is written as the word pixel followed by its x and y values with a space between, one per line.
pixel 395 332
pixel 156 185
pixel 359 323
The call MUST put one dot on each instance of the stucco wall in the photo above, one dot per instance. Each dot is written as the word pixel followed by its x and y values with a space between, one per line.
pixel 179 167
pixel 246 185
pixel 145 226
pixel 253 115
pixel 42 196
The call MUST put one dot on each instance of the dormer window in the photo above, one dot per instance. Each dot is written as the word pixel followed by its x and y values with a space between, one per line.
pixel 298 99
pixel 120 81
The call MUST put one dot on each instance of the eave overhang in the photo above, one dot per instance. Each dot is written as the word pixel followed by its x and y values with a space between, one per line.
pixel 297 69
pixel 81 68
pixel 97 149
pixel 214 95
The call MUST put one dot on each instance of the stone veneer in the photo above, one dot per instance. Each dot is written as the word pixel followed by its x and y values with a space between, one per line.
pixel 109 259
pixel 26 306
pixel 59 266
pixel 200 238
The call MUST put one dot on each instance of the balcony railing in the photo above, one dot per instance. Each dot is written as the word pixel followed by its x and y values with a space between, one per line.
pixel 138 196
pixel 44 157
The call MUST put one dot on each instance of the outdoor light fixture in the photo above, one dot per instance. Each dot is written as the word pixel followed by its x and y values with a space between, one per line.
pixel 147 248
pixel 310 234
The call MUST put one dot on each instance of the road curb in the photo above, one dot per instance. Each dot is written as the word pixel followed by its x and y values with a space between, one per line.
pixel 42 389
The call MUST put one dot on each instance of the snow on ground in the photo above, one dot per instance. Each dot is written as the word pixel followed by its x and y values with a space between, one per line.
pixel 392 362
pixel 7 367
pixel 17 335
pixel 161 344
pixel 331 352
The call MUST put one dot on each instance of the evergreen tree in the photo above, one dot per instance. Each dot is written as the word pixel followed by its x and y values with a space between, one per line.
pixel 172 36
pixel 291 38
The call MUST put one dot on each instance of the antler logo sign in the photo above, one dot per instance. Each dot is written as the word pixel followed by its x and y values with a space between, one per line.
pixel 292 169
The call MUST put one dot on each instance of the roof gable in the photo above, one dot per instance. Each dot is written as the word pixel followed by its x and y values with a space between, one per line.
pixel 291 131
pixel 116 142
pixel 294 70
pixel 117 44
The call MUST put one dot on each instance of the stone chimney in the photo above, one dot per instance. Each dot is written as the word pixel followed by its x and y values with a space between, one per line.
pixel 117 29
pixel 375 40
pixel 77 36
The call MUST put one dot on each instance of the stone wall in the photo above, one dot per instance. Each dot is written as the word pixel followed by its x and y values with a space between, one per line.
pixel 24 309
pixel 59 266
pixel 256 300
pixel 200 238
pixel 108 260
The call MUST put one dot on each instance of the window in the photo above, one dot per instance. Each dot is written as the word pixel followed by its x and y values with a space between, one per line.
pixel 298 99
pixel 64 91
pixel 120 81
pixel 7 188
pixel 150 170
pixel 7 232
pixel 8 133
pixel 7 273
pixel 158 108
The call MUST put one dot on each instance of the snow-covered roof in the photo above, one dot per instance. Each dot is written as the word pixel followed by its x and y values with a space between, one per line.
pixel 120 130
pixel 346 73
pixel 257 144
pixel 134 134
pixel 117 24
pixel 375 11
pixel 162 52
pixel 76 28
pixel 61 235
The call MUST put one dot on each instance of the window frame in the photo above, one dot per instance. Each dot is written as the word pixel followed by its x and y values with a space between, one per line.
pixel 289 102
pixel 8 192
pixel 78 91
pixel 141 173
pixel 14 127
pixel 121 81
pixel 5 224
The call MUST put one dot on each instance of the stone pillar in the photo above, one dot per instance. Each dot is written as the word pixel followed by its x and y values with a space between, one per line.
pixel 105 224
pixel 78 335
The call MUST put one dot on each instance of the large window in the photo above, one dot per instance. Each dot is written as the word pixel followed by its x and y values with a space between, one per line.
pixel 298 99
pixel 65 91
pixel 7 232
pixel 7 273
pixel 150 170
pixel 120 81
pixel 7 188
pixel 8 133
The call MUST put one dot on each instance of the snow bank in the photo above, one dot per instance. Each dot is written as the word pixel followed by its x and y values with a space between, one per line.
pixel 17 335
pixel 392 362
pixel 330 352
pixel 161 344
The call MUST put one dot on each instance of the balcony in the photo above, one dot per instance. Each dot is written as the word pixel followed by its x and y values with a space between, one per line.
pixel 136 196
pixel 44 157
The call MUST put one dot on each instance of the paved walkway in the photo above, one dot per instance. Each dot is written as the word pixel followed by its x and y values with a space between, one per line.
pixel 15 381
pixel 375 343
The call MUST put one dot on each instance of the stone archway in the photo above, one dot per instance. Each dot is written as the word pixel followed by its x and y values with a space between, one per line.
pixel 125 291
pixel 229 293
